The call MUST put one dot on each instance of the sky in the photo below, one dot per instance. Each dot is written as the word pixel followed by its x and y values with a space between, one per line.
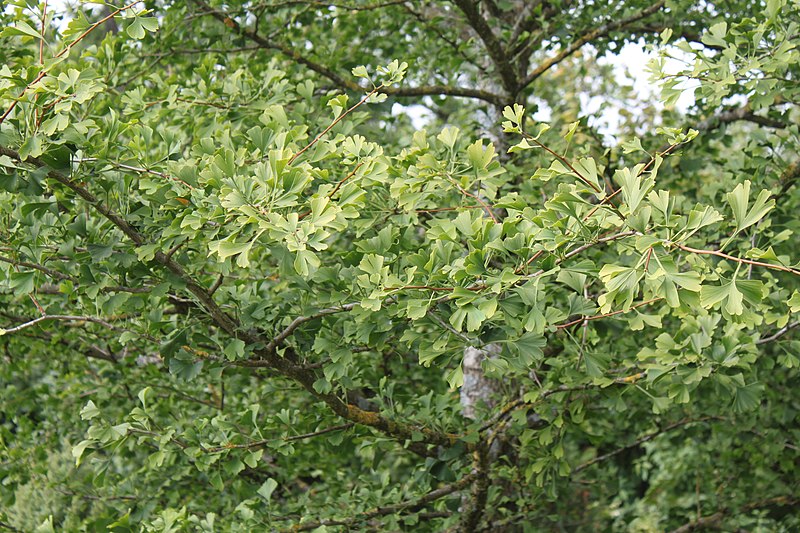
pixel 630 65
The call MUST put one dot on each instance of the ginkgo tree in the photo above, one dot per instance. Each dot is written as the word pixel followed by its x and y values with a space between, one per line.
pixel 245 289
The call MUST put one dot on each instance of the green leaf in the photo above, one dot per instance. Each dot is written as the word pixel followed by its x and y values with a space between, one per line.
pixel 360 72
pixel 267 488
pixel 79 449
pixel 455 378
pixel 234 350
pixel 20 28
pixel 22 282
pixel 794 302
pixel 89 411
pixel 634 187
pixel 252 458
pixel 739 199
pixel 715 36
pixel 448 136
pixel 747 398
pixel 149 23
pixel 530 344
pixel 596 363
pixel 136 29
pixel 225 249
pixel 32 147
pixel 732 294
pixel 184 366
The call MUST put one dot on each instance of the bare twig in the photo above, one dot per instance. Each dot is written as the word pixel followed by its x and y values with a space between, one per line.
pixel 405 506
pixel 63 318
pixel 41 41
pixel 299 321
pixel 718 253
pixel 778 334
pixel 25 264
pixel 606 315
pixel 264 442
pixel 638 442
pixel 134 169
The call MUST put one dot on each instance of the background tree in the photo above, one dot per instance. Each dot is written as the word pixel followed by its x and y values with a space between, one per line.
pixel 241 291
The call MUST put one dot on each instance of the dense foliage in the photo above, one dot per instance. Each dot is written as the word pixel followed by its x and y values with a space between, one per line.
pixel 242 291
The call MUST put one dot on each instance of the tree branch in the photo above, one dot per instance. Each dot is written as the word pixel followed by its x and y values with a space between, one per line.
pixel 284 365
pixel 476 503
pixel 778 334
pixel 717 253
pixel 344 83
pixel 299 321
pixel 493 46
pixel 52 273
pixel 638 442
pixel 710 520
pixel 264 442
pixel 405 506
pixel 63 318
pixel 733 115
pixel 587 38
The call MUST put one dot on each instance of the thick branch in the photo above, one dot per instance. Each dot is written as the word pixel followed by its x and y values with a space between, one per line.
pixel 493 45
pixel 476 502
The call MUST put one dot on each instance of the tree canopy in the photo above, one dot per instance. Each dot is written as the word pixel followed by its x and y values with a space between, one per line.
pixel 394 265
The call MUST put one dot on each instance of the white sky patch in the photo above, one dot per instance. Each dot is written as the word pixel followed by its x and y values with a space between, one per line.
pixel 630 67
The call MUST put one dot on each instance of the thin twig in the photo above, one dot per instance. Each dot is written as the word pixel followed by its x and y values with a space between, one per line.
pixel 638 442
pixel 606 315
pixel 41 41
pixel 736 259
pixel 564 160
pixel 476 197
pixel 65 318
pixel 134 169
pixel 587 38
pixel 264 442
pixel 52 273
pixel 335 122
pixel 408 505
pixel 336 188
pixel 778 334
pixel 299 321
